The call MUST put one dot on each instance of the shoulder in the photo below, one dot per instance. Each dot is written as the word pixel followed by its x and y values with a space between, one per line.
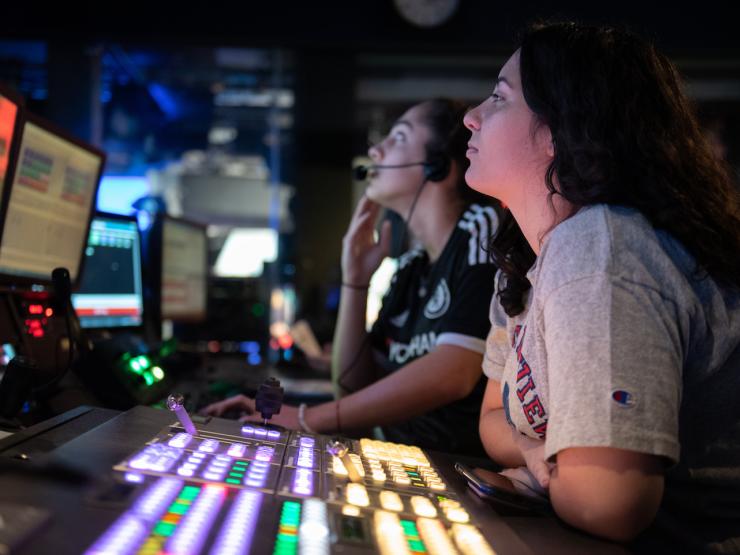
pixel 615 241
pixel 474 230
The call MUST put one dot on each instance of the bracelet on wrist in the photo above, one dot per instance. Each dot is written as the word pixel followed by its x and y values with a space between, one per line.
pixel 302 419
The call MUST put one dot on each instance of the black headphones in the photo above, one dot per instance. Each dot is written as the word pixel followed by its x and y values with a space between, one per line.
pixel 437 167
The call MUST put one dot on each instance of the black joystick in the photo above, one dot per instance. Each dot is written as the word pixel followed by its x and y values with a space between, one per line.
pixel 269 398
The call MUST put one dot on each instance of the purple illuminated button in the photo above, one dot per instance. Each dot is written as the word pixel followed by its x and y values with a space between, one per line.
pixel 134 477
pixel 123 538
pixel 155 500
pixel 214 476
pixel 273 434
pixel 186 472
pixel 261 432
pixel 248 430
pixel 235 537
pixel 193 529
pixel 180 440
pixel 237 450
pixel 264 453
pixel 302 482
pixel 208 446
pixel 307 441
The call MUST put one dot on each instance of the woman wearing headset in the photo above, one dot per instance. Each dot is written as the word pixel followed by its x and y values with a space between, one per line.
pixel 417 373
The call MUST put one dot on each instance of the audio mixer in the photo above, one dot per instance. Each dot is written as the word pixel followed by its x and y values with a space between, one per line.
pixel 260 489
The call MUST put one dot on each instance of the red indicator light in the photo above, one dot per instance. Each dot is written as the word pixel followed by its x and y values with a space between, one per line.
pixel 49 312
pixel 38 332
pixel 35 309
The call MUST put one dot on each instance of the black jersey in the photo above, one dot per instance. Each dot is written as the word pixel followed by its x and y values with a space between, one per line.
pixel 441 303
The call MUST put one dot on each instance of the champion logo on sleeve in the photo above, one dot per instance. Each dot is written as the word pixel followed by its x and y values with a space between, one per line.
pixel 624 398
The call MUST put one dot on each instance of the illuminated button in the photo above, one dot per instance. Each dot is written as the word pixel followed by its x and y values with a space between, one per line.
pixel 423 507
pixel 379 477
pixel 435 537
pixel 273 434
pixel 237 449
pixel 313 532
pixel 180 440
pixel 403 480
pixel 338 467
pixel 439 486
pixel 357 495
pixel 391 501
pixel 457 514
pixel 260 432
pixel 307 442
pixel 447 503
pixel 248 430
pixel 470 541
pixel 389 534
pixel 208 446
pixel 186 472
pixel 350 510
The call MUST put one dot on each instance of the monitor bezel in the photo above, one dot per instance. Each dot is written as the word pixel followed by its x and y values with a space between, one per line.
pixel 25 281
pixel 15 146
pixel 186 319
pixel 141 326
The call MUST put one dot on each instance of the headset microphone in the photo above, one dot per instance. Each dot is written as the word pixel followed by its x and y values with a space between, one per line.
pixel 360 172
pixel 435 169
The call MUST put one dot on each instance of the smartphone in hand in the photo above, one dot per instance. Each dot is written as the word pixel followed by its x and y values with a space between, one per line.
pixel 501 491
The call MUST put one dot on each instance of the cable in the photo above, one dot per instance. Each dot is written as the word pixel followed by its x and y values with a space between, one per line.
pixel 343 373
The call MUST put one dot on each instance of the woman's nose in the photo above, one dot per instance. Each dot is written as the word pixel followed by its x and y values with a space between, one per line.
pixel 470 120
pixel 374 153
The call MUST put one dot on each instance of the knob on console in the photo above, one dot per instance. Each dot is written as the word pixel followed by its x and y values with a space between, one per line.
pixel 269 398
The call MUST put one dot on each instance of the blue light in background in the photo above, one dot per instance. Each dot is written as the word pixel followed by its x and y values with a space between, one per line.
pixel 254 359
pixel 117 193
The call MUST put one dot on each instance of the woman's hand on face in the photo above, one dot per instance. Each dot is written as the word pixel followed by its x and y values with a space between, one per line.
pixel 361 253
pixel 287 418
pixel 240 403
pixel 533 451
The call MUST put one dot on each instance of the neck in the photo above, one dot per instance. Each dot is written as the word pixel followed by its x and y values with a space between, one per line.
pixel 537 215
pixel 434 219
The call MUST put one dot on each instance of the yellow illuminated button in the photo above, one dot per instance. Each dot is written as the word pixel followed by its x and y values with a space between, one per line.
pixel 390 535
pixel 470 541
pixel 357 495
pixel 391 501
pixel 423 507
pixel 338 467
pixel 350 510
pixel 404 480
pixel 435 538
pixel 457 514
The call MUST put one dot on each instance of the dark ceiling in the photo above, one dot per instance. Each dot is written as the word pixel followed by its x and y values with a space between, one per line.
pixel 696 28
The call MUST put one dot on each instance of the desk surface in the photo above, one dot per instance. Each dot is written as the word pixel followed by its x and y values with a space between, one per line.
pixel 92 440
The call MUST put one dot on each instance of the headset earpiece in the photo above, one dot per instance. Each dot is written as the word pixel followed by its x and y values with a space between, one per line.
pixel 437 168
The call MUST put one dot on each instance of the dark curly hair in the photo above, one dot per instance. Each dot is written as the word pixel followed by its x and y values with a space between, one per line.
pixel 625 134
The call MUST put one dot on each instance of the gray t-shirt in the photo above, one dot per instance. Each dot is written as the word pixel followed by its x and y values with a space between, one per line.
pixel 622 345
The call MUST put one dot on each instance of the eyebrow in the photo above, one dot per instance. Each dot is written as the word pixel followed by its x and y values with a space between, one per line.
pixel 403 122
pixel 504 81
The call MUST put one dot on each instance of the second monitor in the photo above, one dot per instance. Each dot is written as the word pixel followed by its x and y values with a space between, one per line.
pixel 110 292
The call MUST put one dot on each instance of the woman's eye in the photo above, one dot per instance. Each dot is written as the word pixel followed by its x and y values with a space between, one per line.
pixel 495 96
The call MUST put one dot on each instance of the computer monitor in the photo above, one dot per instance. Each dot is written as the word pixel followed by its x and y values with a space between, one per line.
pixel 110 294
pixel 50 204
pixel 184 271
pixel 10 130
